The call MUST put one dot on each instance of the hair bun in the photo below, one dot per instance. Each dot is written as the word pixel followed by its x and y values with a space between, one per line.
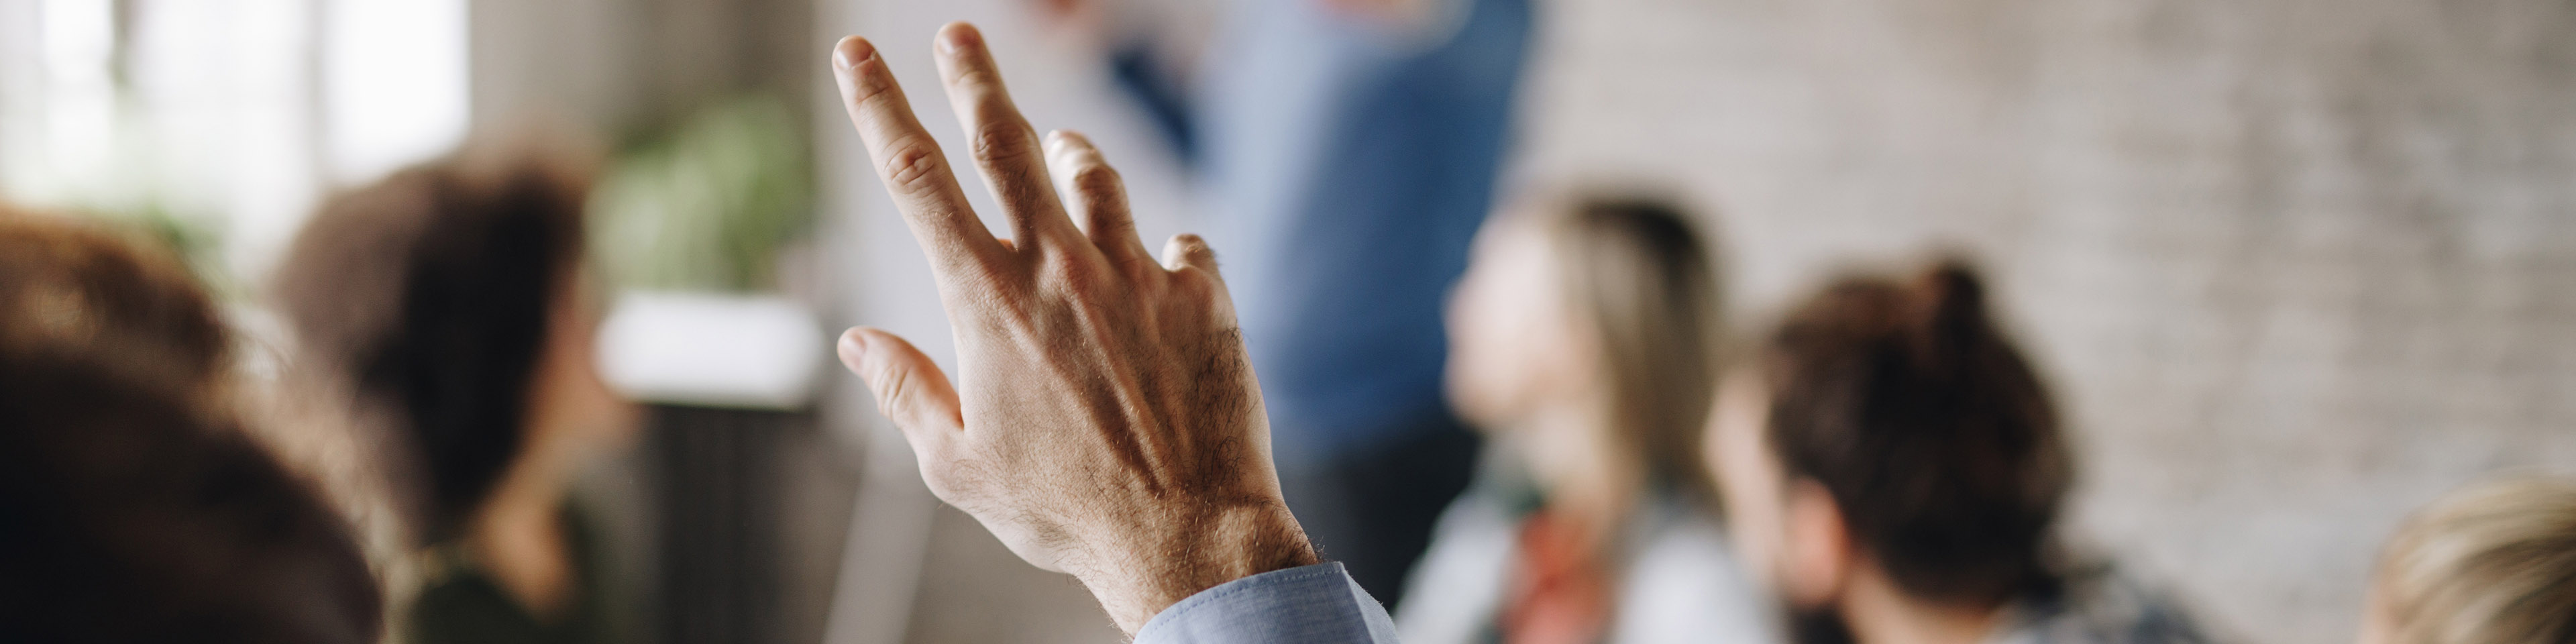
pixel 1947 316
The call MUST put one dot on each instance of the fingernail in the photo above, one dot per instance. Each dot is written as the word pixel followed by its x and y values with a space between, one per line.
pixel 854 348
pixel 851 51
pixel 957 36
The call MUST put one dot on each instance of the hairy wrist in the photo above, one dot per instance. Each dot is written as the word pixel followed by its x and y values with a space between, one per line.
pixel 1186 557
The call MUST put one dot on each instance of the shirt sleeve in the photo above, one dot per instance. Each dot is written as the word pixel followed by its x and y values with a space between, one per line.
pixel 1317 604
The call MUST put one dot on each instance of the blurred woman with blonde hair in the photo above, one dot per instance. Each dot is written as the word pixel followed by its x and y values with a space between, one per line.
pixel 1583 342
pixel 2491 564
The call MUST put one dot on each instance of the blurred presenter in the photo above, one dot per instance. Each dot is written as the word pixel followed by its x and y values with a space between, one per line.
pixel 1350 151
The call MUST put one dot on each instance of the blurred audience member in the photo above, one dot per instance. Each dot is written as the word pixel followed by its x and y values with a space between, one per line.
pixel 133 507
pixel 78 289
pixel 1583 339
pixel 2491 564
pixel 448 302
pixel 1893 467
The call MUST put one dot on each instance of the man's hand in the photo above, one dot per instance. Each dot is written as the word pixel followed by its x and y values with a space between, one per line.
pixel 1105 420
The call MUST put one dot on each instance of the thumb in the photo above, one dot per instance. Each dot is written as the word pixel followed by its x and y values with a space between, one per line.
pixel 910 389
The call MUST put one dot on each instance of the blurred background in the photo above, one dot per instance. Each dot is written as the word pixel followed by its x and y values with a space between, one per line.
pixel 2296 266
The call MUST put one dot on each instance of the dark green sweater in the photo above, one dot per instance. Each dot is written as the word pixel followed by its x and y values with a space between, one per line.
pixel 461 605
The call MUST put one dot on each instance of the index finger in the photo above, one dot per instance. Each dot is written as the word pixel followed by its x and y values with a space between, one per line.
pixel 909 161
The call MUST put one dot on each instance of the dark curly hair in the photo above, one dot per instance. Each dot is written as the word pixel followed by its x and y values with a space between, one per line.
pixel 1932 433
pixel 133 506
pixel 428 294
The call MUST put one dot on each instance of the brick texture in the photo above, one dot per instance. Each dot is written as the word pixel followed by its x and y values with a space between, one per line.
pixel 2297 266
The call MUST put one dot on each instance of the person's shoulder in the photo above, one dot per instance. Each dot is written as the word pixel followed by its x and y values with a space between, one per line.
pixel 1457 585
pixel 1684 583
pixel 1670 533
pixel 2102 604
pixel 1678 529
pixel 458 603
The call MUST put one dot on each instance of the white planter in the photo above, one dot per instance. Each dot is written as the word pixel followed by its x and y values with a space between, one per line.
pixel 737 351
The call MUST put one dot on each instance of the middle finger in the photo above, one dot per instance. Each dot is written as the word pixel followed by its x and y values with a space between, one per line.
pixel 1006 149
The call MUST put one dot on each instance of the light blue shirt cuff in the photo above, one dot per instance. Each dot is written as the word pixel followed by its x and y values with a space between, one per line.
pixel 1317 604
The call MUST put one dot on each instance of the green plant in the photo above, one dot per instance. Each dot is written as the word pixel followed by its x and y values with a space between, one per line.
pixel 707 206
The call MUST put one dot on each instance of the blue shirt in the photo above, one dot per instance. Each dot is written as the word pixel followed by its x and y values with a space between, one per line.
pixel 1316 604
pixel 1347 167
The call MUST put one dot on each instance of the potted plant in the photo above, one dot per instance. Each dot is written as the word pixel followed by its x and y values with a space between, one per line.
pixel 688 228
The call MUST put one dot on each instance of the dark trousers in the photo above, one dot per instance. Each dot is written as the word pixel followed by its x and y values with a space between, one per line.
pixel 1373 510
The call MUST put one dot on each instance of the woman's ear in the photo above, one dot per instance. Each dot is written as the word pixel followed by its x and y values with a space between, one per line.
pixel 1815 550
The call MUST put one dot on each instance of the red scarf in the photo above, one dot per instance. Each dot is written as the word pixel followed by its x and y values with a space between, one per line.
pixel 1561 595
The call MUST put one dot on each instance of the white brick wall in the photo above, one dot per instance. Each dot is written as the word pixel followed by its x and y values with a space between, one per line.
pixel 2298 265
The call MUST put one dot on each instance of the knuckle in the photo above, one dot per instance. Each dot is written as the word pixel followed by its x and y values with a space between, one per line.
pixel 1093 176
pixel 977 78
pixel 892 386
pixel 912 166
pixel 995 145
pixel 1097 182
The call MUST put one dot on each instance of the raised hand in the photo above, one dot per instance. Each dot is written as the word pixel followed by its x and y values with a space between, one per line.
pixel 1105 421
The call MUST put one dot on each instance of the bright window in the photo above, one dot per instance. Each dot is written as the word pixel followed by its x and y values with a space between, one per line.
pixel 229 116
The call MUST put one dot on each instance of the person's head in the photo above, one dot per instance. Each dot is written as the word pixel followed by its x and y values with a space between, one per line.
pixel 1887 432
pixel 133 506
pixel 2491 564
pixel 447 299
pixel 88 290
pixel 1602 309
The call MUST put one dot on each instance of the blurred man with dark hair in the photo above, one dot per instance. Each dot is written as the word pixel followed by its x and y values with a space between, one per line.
pixel 447 303
pixel 1895 468
pixel 133 507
